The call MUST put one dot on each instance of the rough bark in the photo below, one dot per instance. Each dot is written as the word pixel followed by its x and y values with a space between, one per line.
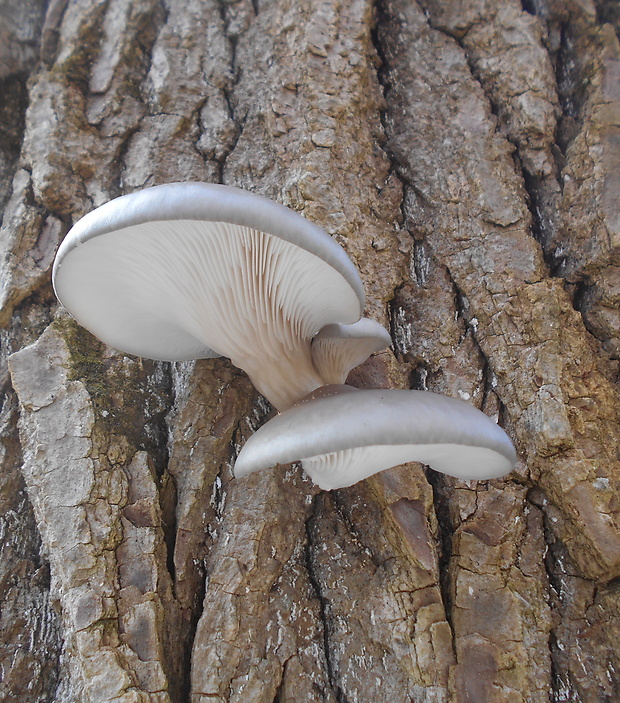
pixel 466 155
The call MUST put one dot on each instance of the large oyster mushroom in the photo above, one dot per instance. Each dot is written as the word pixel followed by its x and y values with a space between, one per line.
pixel 191 270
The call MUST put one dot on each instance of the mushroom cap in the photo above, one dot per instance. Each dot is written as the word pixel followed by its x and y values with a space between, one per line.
pixel 193 270
pixel 337 349
pixel 342 435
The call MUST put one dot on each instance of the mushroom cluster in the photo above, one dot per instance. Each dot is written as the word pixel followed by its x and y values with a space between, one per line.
pixel 192 270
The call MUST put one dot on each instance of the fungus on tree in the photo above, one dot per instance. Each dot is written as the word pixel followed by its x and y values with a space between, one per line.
pixel 193 270
pixel 342 435
pixel 337 349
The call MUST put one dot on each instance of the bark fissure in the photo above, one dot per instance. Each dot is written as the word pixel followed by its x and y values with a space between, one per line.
pixel 382 70
pixel 315 582
pixel 568 87
pixel 445 552
pixel 13 103
pixel 561 686
pixel 31 629
pixel 229 89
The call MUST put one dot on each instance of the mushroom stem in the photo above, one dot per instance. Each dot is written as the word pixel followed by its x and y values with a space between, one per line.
pixel 285 379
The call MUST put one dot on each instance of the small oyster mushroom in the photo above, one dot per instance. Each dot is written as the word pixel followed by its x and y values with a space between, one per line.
pixel 193 270
pixel 343 435
pixel 337 349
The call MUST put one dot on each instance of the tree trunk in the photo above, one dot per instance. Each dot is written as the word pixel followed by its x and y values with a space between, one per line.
pixel 466 154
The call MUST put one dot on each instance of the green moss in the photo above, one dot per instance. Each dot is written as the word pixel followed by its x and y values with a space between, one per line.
pixel 114 395
pixel 125 398
pixel 76 68
pixel 86 361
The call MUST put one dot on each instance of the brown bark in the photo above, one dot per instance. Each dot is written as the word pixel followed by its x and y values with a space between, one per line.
pixel 466 155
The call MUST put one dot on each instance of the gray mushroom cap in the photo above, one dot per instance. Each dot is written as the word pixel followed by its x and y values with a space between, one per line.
pixel 342 435
pixel 337 349
pixel 193 270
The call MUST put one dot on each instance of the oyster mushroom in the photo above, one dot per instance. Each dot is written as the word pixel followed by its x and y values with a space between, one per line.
pixel 337 349
pixel 342 435
pixel 192 270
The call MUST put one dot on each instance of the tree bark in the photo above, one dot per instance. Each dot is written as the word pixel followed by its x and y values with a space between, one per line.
pixel 466 154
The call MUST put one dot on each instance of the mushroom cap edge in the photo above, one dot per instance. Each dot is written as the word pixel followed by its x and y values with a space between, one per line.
pixel 342 421
pixel 210 202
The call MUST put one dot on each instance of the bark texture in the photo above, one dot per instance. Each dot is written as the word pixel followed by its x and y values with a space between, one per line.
pixel 466 154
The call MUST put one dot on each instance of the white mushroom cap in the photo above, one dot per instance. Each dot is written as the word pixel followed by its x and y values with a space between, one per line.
pixel 339 348
pixel 193 270
pixel 342 435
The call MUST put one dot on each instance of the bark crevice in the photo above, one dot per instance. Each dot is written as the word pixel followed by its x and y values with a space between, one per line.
pixel 315 582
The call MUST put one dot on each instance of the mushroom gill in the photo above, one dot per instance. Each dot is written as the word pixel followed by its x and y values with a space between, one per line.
pixel 185 286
